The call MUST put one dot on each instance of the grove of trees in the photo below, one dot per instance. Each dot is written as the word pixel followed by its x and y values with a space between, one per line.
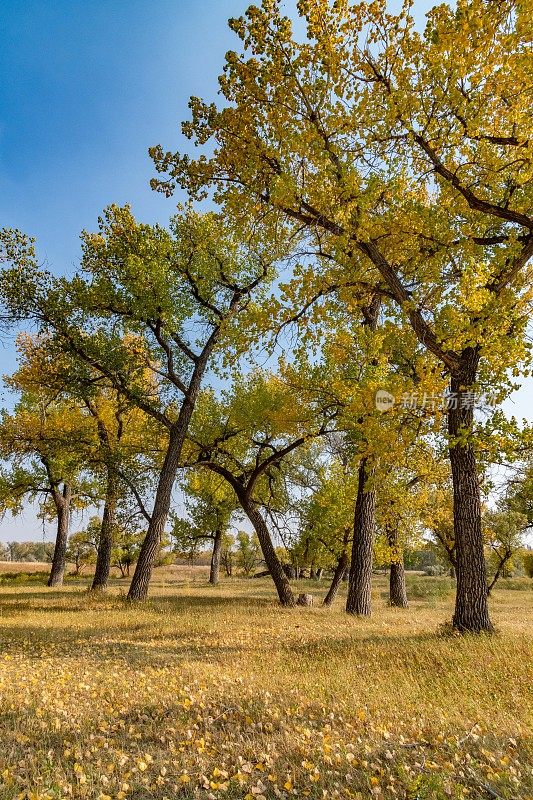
pixel 319 345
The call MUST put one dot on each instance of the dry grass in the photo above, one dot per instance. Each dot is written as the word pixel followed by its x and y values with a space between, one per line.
pixel 210 693
pixel 168 574
pixel 26 566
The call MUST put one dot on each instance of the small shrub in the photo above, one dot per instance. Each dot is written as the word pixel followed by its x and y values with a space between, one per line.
pixel 429 588
pixel 21 578
pixel 435 570
pixel 514 584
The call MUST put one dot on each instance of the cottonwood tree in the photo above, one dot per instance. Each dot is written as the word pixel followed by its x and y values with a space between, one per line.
pixel 328 522
pixel 358 359
pixel 82 547
pixel 210 504
pixel 185 541
pixel 503 533
pixel 122 450
pixel 245 436
pixel 248 552
pixel 128 539
pixel 408 154
pixel 166 301
pixel 519 490
pixel 40 445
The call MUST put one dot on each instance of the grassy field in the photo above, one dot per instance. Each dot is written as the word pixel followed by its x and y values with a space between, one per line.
pixel 219 693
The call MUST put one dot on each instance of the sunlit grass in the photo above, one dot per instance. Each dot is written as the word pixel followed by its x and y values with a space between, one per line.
pixel 204 692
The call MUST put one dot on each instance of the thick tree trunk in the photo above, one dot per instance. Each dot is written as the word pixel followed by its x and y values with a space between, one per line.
pixel 150 546
pixel 62 503
pixel 105 544
pixel 360 580
pixel 214 574
pixel 340 569
pixel 273 563
pixel 397 587
pixel 471 607
pixel 156 527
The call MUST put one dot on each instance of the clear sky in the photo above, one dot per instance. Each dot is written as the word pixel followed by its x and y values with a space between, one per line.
pixel 85 89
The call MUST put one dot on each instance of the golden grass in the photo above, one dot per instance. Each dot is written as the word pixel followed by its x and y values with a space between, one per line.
pixel 169 573
pixel 26 566
pixel 219 693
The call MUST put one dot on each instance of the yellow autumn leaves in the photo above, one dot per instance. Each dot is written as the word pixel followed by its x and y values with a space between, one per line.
pixel 237 700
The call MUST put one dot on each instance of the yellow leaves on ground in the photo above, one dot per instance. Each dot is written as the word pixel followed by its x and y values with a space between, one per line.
pixel 193 696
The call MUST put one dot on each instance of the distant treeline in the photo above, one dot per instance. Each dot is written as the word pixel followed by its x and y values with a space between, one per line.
pixel 26 551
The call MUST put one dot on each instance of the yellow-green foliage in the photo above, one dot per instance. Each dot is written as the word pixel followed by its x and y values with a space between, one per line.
pixel 219 693
pixel 528 564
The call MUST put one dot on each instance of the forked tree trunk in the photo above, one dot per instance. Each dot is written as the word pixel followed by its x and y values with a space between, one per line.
pixel 105 544
pixel 214 574
pixel 471 607
pixel 62 504
pixel 273 563
pixel 177 433
pixel 340 569
pixel 359 599
pixel 397 587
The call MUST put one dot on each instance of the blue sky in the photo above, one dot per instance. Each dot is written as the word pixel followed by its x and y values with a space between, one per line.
pixel 85 89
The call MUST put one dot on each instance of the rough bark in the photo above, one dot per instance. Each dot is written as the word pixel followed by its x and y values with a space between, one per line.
pixel 150 546
pixel 62 504
pixel 281 582
pixel 471 607
pixel 214 574
pixel 340 569
pixel 360 579
pixel 105 544
pixel 397 587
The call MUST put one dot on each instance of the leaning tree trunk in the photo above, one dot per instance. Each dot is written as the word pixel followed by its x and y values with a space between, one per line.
pixel 471 607
pixel 62 503
pixel 214 573
pixel 105 544
pixel 273 563
pixel 150 547
pixel 397 587
pixel 340 569
pixel 360 580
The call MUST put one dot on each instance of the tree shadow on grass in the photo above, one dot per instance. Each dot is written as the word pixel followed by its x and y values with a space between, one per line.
pixel 137 633
pixel 54 600
pixel 33 642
